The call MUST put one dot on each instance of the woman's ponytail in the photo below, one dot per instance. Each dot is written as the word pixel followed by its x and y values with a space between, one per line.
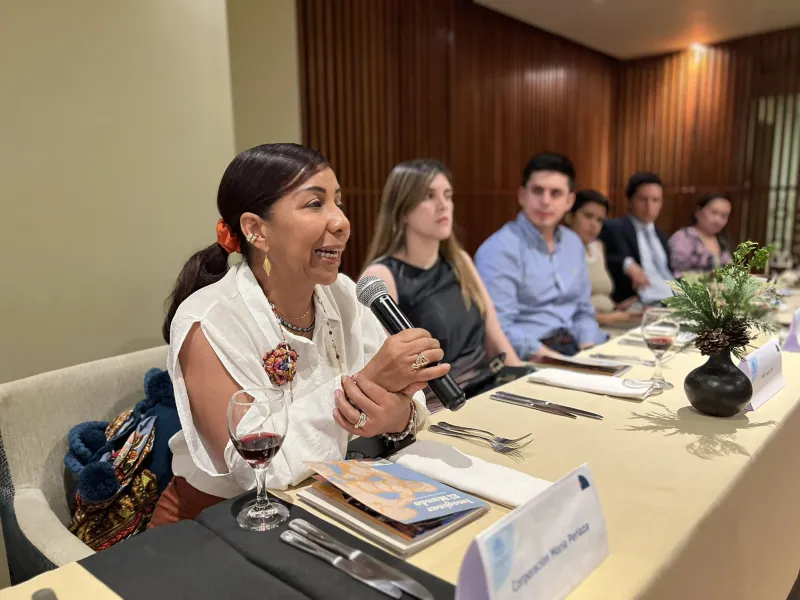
pixel 205 267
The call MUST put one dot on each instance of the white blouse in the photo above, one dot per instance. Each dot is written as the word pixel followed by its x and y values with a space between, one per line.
pixel 238 322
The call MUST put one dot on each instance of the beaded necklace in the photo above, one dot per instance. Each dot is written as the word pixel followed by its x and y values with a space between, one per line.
pixel 287 325
pixel 291 326
pixel 280 363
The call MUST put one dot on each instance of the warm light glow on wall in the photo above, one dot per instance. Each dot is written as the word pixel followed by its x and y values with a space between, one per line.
pixel 698 47
pixel 548 74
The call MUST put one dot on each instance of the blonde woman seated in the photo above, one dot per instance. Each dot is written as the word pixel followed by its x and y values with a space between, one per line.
pixel 430 276
pixel 586 219
pixel 281 208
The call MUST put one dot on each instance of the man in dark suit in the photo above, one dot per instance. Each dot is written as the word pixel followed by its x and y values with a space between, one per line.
pixel 636 250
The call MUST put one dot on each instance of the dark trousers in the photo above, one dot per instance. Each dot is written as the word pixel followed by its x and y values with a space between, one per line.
pixel 563 342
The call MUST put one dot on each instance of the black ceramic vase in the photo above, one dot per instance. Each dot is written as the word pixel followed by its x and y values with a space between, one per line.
pixel 718 388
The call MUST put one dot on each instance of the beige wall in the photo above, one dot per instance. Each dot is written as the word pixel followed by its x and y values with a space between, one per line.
pixel 115 125
pixel 264 71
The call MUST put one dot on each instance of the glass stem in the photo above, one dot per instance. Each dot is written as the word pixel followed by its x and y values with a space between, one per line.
pixel 657 376
pixel 262 504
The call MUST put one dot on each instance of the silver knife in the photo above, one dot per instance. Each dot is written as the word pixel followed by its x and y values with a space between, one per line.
pixel 528 404
pixel 381 569
pixel 626 358
pixel 341 563
pixel 535 402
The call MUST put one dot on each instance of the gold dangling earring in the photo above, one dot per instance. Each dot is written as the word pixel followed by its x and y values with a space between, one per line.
pixel 267 265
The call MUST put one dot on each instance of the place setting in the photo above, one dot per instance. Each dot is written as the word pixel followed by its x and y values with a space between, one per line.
pixel 311 555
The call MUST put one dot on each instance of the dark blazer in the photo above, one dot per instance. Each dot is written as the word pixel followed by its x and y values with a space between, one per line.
pixel 619 237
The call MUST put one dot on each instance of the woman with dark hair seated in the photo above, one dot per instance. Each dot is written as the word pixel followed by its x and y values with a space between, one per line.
pixel 586 219
pixel 431 277
pixel 703 246
pixel 281 208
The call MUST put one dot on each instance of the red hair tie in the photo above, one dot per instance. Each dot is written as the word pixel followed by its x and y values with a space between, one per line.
pixel 226 238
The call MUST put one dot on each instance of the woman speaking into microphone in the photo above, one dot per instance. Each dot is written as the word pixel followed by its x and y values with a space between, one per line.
pixel 281 208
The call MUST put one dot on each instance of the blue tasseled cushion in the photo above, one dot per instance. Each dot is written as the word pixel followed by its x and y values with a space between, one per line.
pixel 160 401
pixel 98 482
pixel 88 447
pixel 84 441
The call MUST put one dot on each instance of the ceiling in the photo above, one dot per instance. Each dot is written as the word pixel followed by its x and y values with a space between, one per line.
pixel 631 28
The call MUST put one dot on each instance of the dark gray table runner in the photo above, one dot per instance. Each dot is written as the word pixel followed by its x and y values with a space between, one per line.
pixel 213 559
pixel 183 560
pixel 304 572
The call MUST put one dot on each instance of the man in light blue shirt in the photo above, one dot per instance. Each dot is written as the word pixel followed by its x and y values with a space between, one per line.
pixel 535 269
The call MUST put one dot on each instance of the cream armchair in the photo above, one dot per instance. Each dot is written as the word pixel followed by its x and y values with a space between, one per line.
pixel 36 415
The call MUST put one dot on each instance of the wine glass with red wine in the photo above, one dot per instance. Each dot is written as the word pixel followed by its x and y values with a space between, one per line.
pixel 659 330
pixel 257 422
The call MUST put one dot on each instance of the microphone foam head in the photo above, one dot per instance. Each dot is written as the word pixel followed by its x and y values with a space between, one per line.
pixel 369 289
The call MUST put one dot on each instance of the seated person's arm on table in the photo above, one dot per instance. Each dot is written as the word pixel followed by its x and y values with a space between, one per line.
pixel 626 304
pixel 618 317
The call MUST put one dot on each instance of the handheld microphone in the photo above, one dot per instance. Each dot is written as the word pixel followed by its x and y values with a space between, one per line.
pixel 373 293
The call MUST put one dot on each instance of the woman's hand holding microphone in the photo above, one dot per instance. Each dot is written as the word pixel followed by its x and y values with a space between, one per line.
pixel 380 393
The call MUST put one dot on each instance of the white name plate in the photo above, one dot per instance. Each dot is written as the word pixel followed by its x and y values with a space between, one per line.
pixel 764 369
pixel 542 549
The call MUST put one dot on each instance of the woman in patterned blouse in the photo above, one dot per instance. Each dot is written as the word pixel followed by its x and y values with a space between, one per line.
pixel 703 246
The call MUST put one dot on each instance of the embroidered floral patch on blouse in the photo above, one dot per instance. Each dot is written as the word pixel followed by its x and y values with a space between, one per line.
pixel 280 364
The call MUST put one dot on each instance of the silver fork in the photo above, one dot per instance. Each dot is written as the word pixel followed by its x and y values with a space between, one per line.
pixel 496 438
pixel 512 451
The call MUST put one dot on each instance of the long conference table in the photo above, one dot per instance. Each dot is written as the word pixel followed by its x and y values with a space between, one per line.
pixel 696 507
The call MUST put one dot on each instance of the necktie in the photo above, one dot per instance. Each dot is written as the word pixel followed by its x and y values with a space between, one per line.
pixel 657 252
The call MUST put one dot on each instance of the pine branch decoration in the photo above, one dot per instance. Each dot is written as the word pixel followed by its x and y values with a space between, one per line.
pixel 729 308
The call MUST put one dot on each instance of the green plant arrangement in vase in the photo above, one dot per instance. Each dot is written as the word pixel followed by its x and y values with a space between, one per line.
pixel 727 310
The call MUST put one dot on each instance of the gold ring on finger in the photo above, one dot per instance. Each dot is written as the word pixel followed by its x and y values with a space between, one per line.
pixel 421 362
pixel 362 420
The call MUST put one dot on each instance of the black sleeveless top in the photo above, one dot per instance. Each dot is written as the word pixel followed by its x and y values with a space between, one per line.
pixel 432 299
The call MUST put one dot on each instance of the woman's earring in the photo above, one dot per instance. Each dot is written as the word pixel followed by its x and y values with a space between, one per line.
pixel 251 237
pixel 267 265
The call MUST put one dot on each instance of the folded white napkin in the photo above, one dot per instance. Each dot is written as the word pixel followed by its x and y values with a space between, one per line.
pixel 471 474
pixel 594 384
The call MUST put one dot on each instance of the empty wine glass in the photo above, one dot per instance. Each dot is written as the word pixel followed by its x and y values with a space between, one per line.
pixel 659 330
pixel 257 422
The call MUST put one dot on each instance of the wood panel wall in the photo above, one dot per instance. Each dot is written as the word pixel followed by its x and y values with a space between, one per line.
pixel 720 119
pixel 389 80
pixel 518 91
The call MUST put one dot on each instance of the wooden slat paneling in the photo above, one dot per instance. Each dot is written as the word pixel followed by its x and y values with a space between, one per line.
pixel 518 91
pixel 725 120
pixel 389 80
